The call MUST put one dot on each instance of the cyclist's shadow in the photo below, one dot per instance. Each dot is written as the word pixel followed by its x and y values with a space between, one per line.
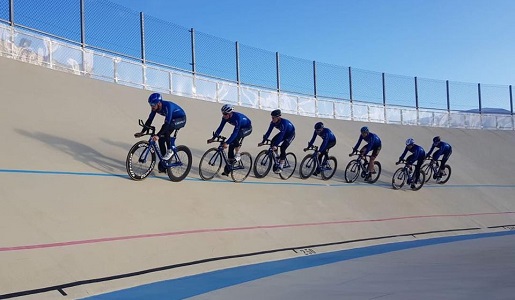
pixel 81 152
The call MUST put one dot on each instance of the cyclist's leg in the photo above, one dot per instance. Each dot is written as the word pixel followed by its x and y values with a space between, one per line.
pixel 375 153
pixel 418 165
pixel 284 145
pixel 444 160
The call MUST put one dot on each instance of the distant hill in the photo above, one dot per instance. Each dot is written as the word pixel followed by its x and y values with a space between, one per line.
pixel 487 110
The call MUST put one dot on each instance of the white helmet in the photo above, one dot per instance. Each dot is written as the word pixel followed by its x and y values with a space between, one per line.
pixel 227 108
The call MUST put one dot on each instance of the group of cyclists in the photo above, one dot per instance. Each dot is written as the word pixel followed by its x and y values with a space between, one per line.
pixel 175 118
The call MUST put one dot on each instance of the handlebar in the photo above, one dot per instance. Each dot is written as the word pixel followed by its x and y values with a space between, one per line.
pixel 219 138
pixel 314 148
pixel 146 129
pixel 266 142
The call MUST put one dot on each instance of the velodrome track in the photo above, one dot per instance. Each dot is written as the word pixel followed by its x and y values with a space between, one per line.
pixel 73 225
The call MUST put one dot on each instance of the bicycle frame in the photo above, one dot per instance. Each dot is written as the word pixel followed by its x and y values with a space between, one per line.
pixel 154 147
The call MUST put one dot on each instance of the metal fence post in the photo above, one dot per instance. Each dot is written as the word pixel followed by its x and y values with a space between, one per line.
pixel 193 64
pixel 11 12
pixel 315 79
pixel 416 100
pixel 277 71
pixel 143 54
pixel 238 82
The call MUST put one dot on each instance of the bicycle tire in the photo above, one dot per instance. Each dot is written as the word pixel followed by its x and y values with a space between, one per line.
pixel 139 170
pixel 242 168
pixel 290 164
pixel 210 164
pixel 377 169
pixel 262 164
pixel 428 171
pixel 330 168
pixel 352 171
pixel 446 176
pixel 420 182
pixel 307 166
pixel 181 164
pixel 398 179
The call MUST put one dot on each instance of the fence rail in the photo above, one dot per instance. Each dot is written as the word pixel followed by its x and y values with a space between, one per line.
pixel 223 71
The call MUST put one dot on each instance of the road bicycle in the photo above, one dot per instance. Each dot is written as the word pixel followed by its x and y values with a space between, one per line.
pixel 359 167
pixel 211 162
pixel 311 162
pixel 141 158
pixel 406 175
pixel 432 170
pixel 267 158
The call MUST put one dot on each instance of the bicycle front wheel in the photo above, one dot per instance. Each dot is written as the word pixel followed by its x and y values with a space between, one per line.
pixel 377 172
pixel 241 169
pixel 210 164
pixel 398 179
pixel 290 164
pixel 263 164
pixel 428 171
pixel 352 171
pixel 141 160
pixel 179 165
pixel 420 182
pixel 446 175
pixel 307 166
pixel 329 168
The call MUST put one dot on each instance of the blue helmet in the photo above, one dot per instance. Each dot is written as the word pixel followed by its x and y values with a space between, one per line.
pixel 436 140
pixel 364 129
pixel 410 141
pixel 319 126
pixel 154 99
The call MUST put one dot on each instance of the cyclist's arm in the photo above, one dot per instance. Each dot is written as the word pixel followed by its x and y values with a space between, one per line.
pixel 358 143
pixel 430 150
pixel 281 135
pixel 310 143
pixel 403 154
pixel 220 128
pixel 267 134
pixel 149 121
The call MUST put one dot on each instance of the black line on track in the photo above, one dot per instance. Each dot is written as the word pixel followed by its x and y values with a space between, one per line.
pixel 60 288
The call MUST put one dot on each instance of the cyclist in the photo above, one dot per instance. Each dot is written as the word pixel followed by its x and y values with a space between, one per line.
pixel 242 128
pixel 444 149
pixel 283 139
pixel 328 141
pixel 374 145
pixel 418 155
pixel 175 118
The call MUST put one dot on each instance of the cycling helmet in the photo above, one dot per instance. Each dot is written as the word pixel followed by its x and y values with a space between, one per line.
pixel 436 140
pixel 364 129
pixel 410 141
pixel 319 126
pixel 276 113
pixel 154 99
pixel 227 108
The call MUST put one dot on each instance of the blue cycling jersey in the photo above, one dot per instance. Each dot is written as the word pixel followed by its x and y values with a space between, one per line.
pixel 169 110
pixel 443 149
pixel 239 120
pixel 418 154
pixel 327 137
pixel 372 139
pixel 286 128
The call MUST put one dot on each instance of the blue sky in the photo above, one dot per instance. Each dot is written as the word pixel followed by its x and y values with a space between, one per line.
pixel 458 40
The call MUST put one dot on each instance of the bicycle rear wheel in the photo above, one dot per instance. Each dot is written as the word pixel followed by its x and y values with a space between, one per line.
pixel 140 161
pixel 210 164
pixel 398 179
pixel 262 164
pixel 307 166
pixel 179 164
pixel 352 171
pixel 290 164
pixel 428 171
pixel 446 175
pixel 375 176
pixel 241 169
pixel 329 168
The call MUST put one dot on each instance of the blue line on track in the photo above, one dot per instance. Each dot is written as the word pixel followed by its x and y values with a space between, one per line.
pixel 190 286
pixel 281 182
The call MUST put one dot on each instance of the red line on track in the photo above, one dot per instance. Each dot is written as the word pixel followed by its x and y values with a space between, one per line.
pixel 229 229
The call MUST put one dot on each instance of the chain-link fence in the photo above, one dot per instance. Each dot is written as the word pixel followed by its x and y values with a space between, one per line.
pixel 100 26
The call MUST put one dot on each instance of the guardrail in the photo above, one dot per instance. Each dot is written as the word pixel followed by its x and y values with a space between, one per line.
pixel 49 52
